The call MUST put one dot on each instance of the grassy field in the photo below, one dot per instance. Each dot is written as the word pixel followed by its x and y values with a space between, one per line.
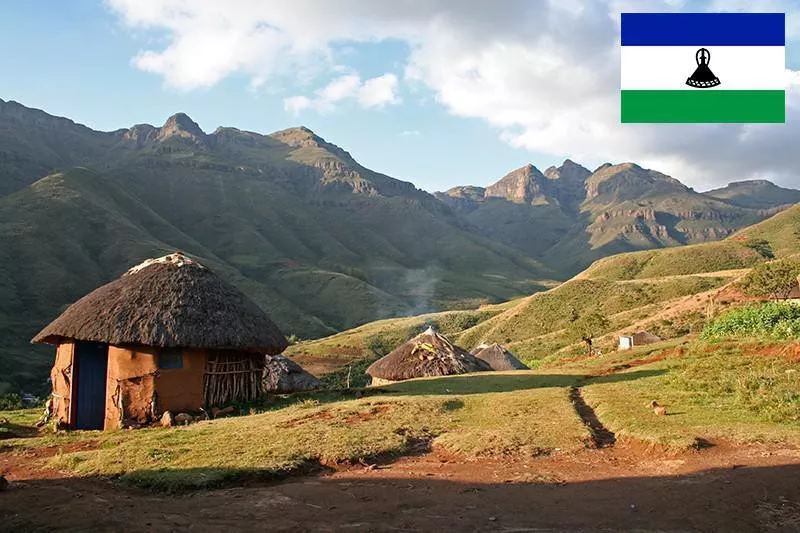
pixel 734 392
pixel 739 392
pixel 473 416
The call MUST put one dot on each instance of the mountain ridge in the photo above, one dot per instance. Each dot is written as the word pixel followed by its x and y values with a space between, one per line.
pixel 319 241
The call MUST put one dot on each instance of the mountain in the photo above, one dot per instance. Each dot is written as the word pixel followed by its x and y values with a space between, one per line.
pixel 320 242
pixel 569 216
pixel 755 194
pixel 317 240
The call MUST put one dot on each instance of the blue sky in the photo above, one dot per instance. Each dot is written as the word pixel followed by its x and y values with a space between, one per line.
pixel 475 93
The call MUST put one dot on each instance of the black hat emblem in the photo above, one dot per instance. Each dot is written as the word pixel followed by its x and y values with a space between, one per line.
pixel 703 78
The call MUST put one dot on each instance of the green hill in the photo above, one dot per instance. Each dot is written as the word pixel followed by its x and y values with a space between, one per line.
pixel 665 291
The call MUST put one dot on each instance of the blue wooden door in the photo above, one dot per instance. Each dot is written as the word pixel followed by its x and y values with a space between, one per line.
pixel 91 366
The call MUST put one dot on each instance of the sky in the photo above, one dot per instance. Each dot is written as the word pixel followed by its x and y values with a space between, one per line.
pixel 437 92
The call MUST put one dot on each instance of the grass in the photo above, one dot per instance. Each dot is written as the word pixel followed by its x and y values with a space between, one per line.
pixel 740 392
pixel 735 392
pixel 497 414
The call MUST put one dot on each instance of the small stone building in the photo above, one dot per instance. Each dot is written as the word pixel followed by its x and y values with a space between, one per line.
pixel 169 335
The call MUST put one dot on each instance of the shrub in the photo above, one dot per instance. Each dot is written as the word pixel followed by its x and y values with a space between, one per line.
pixel 10 402
pixel 775 320
pixel 761 246
pixel 775 279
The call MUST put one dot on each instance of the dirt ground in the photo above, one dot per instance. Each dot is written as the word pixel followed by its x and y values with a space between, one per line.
pixel 627 487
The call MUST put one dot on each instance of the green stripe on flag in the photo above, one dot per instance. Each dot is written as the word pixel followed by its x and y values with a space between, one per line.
pixel 703 105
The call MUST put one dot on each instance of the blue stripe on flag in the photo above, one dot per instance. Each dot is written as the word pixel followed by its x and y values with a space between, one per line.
pixel 703 29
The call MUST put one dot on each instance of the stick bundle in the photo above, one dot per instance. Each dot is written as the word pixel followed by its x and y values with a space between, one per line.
pixel 232 377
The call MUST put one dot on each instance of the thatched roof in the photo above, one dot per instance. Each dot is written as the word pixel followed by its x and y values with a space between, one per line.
pixel 427 354
pixel 284 375
pixel 498 357
pixel 170 301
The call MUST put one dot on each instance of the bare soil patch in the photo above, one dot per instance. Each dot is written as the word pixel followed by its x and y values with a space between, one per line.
pixel 629 487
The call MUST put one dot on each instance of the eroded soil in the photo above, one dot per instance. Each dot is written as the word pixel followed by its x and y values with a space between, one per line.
pixel 628 487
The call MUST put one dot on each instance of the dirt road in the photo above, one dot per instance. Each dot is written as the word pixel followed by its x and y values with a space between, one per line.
pixel 628 487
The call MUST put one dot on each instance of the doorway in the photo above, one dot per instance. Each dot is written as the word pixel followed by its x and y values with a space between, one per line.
pixel 91 367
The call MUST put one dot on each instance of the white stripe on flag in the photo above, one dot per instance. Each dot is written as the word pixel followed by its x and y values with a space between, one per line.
pixel 737 67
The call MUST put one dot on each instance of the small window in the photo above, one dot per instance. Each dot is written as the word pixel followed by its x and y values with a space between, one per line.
pixel 170 358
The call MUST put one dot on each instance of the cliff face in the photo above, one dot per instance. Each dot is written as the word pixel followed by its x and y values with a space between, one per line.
pixel 569 216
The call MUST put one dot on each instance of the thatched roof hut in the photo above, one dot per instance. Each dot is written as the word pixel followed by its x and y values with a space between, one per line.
pixel 169 335
pixel 282 375
pixel 427 354
pixel 498 357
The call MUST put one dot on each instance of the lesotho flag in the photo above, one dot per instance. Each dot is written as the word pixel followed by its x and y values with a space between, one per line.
pixel 703 67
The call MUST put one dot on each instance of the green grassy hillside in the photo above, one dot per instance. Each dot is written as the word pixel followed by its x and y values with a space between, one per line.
pixel 667 291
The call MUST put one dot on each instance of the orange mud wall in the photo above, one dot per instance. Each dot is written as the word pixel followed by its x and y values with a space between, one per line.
pixel 139 391
pixel 130 386
pixel 181 389
pixel 61 377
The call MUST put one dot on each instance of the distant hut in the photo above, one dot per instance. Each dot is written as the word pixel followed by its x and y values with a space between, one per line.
pixel 169 335
pixel 282 375
pixel 626 342
pixel 498 357
pixel 428 354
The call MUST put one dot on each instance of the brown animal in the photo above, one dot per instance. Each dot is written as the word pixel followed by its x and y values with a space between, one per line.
pixel 657 409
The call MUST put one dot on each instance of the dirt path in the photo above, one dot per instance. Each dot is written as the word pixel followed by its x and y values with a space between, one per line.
pixel 629 487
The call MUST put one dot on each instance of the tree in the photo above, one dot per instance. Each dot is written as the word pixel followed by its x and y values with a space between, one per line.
pixel 762 247
pixel 774 280
pixel 589 326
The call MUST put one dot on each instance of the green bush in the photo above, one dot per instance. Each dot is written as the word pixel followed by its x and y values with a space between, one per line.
pixel 10 402
pixel 774 320
pixel 775 279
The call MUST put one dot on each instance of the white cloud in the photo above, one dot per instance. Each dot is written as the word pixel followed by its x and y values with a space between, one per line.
pixel 545 73
pixel 373 93
pixel 410 133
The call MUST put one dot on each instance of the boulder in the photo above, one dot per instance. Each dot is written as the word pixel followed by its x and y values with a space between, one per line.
pixel 166 419
pixel 183 418
pixel 220 413
pixel 282 375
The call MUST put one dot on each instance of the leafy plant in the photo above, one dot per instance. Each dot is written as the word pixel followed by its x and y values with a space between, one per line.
pixel 776 320
pixel 10 402
pixel 761 246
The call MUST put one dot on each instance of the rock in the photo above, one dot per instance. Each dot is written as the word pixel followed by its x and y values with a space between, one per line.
pixel 219 413
pixel 3 483
pixel 166 419
pixel 183 418
pixel 3 421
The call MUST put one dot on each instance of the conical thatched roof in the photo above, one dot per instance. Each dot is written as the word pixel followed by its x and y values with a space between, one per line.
pixel 170 301
pixel 281 374
pixel 498 357
pixel 427 354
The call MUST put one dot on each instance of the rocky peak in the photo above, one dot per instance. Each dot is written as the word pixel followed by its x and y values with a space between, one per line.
pixel 180 125
pixel 298 137
pixel 568 171
pixel 525 185
pixel 629 181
